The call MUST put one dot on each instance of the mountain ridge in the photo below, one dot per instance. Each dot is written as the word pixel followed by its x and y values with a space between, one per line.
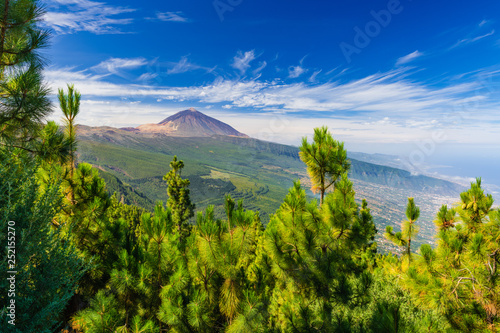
pixel 259 172
pixel 189 123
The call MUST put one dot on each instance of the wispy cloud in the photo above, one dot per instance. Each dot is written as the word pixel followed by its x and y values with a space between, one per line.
pixel 384 93
pixel 115 65
pixel 384 106
pixel 169 17
pixel 184 65
pixel 70 16
pixel 484 22
pixel 259 69
pixel 312 78
pixel 408 58
pixel 473 39
pixel 296 71
pixel 241 61
pixel 147 77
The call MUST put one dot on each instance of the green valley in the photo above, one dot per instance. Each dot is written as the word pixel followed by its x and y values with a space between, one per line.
pixel 258 172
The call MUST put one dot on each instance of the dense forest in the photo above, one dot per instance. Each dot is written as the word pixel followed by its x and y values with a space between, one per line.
pixel 75 259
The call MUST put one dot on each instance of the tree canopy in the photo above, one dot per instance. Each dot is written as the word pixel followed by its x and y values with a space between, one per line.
pixel 326 160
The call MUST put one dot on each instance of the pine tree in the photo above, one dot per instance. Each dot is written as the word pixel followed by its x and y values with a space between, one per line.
pixel 210 290
pixel 475 205
pixel 318 258
pixel 84 221
pixel 91 200
pixel 445 218
pixel 408 230
pixel 54 148
pixel 103 315
pixel 161 253
pixel 178 198
pixel 326 160
pixel 459 277
pixel 48 266
pixel 20 34
pixel 70 106
pixel 24 97
pixel 123 275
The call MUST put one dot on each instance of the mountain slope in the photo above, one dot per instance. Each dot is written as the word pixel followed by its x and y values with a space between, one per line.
pixel 124 192
pixel 368 172
pixel 257 171
pixel 189 123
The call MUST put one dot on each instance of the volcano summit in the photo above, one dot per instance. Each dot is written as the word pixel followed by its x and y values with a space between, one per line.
pixel 190 123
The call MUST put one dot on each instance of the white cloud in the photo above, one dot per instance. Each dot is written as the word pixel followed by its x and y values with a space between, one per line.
pixel 169 17
pixel 385 102
pixel 408 58
pixel 147 77
pixel 484 22
pixel 184 65
pixel 295 71
pixel 70 16
pixel 312 78
pixel 475 39
pixel 471 39
pixel 259 69
pixel 113 65
pixel 120 113
pixel 241 61
pixel 380 108
pixel 386 93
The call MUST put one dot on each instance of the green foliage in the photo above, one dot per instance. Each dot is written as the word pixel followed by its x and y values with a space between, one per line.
pixel 123 275
pixel 313 269
pixel 99 226
pixel 24 104
pixel 160 251
pixel 48 266
pixel 475 205
pixel 70 106
pixel 458 278
pixel 408 229
pixel 24 98
pixel 124 192
pixel 21 35
pixel 178 197
pixel 54 146
pixel 318 260
pixel 395 310
pixel 325 158
pixel 101 316
pixel 211 286
pixel 256 171
pixel 445 218
pixel 86 209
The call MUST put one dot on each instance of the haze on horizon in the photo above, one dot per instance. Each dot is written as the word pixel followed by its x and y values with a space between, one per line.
pixel 394 77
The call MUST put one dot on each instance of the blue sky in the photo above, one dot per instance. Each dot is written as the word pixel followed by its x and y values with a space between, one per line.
pixel 416 78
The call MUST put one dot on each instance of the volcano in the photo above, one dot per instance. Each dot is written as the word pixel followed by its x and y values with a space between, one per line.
pixel 190 123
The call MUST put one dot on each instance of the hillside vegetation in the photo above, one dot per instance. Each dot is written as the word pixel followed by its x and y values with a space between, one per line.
pixel 79 260
pixel 257 171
